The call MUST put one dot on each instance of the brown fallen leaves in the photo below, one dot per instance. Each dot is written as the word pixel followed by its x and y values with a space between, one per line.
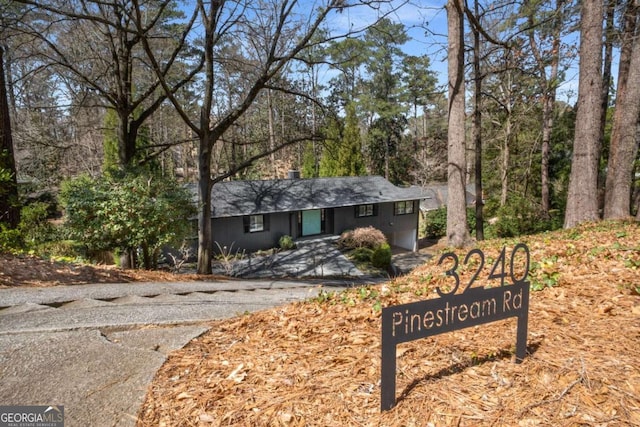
pixel 26 270
pixel 318 363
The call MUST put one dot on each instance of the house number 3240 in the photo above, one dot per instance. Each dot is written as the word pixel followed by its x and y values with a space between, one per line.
pixel 498 271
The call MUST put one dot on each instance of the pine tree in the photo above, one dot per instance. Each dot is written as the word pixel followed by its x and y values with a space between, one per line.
pixel 350 162
pixel 329 160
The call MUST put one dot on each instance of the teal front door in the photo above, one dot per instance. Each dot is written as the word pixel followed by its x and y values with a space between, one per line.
pixel 311 222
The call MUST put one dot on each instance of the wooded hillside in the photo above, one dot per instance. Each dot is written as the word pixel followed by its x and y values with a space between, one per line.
pixel 207 91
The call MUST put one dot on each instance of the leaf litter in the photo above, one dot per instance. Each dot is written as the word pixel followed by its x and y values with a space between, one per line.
pixel 317 363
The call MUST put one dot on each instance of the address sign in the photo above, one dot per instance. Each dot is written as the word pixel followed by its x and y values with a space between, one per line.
pixel 452 311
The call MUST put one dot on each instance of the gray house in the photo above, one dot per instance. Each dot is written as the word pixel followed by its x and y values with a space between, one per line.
pixel 253 215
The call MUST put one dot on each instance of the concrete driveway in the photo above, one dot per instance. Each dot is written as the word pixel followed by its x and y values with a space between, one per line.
pixel 95 348
pixel 313 257
pixel 316 257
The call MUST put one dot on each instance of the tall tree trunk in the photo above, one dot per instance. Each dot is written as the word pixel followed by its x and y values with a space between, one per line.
pixel 505 159
pixel 582 197
pixel 9 207
pixel 272 133
pixel 205 238
pixel 547 57
pixel 457 233
pixel 126 139
pixel 548 103
pixel 624 143
pixel 9 81
pixel 387 142
pixel 477 128
pixel 610 36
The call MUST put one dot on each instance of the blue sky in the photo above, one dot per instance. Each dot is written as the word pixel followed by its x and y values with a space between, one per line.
pixel 426 23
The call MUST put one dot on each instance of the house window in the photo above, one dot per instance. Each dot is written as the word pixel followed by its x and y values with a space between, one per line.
pixel 255 223
pixel 365 210
pixel 403 208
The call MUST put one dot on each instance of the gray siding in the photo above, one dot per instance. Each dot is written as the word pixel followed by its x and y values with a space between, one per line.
pixel 394 227
pixel 230 231
pixel 400 230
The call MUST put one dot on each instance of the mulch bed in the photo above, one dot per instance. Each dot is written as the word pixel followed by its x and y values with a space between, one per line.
pixel 317 363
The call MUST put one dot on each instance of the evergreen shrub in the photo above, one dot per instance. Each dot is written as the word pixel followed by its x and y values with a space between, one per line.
pixel 435 223
pixel 35 226
pixel 286 243
pixel 362 254
pixel 522 216
pixel 381 256
pixel 10 239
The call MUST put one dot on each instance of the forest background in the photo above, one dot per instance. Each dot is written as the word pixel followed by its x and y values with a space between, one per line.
pixel 108 107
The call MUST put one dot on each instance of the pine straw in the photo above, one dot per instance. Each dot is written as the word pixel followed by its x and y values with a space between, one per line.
pixel 31 271
pixel 318 363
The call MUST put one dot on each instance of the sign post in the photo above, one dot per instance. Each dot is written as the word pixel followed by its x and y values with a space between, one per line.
pixel 450 312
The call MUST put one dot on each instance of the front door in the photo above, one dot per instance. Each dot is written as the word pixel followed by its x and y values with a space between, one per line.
pixel 312 222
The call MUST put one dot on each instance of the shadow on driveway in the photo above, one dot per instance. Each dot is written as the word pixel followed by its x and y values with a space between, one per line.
pixel 317 257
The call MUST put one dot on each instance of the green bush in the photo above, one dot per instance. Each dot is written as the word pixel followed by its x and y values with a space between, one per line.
pixel 10 239
pixel 522 216
pixel 130 212
pixel 434 225
pixel 362 254
pixel 35 226
pixel 286 243
pixel 381 256
pixel 63 249
pixel 33 230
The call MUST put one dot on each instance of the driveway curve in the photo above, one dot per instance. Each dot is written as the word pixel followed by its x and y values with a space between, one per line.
pixel 95 348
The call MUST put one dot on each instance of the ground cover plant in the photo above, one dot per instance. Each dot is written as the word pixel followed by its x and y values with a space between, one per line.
pixel 317 363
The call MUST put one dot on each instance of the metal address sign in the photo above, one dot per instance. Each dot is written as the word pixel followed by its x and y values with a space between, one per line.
pixel 473 306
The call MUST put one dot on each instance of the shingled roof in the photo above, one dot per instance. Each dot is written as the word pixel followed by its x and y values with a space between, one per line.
pixel 435 196
pixel 235 198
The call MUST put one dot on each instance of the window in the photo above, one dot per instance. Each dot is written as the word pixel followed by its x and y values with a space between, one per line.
pixel 365 210
pixel 255 223
pixel 403 208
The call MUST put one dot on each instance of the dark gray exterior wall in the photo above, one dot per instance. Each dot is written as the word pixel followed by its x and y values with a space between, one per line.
pixel 395 227
pixel 400 230
pixel 230 231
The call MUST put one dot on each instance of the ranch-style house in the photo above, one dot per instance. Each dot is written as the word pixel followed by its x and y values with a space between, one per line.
pixel 254 215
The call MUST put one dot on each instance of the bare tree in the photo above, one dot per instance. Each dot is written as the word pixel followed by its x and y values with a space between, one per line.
pixel 95 45
pixel 624 135
pixel 271 34
pixel 457 233
pixel 582 198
